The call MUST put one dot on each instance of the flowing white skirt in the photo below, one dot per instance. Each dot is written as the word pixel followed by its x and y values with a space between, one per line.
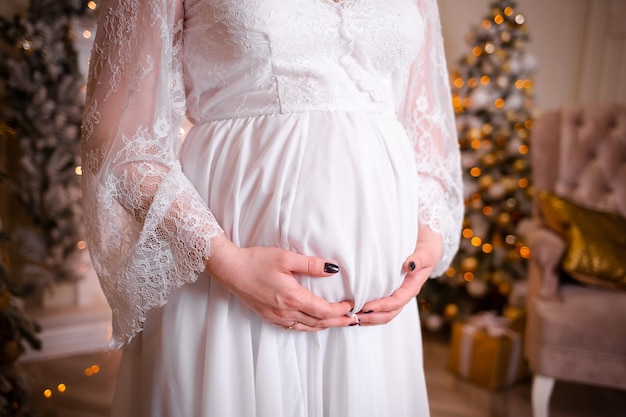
pixel 337 185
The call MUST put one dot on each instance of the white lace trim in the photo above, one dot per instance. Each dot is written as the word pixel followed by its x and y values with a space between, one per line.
pixel 149 231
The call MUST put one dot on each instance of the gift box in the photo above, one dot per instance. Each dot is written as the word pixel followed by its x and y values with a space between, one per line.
pixel 487 351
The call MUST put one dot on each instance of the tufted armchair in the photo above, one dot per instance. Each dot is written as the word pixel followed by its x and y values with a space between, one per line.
pixel 575 332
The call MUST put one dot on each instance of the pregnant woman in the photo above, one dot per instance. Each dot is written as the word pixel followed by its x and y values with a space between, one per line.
pixel 266 262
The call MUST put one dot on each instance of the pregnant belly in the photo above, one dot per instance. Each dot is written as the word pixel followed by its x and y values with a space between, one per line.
pixel 335 185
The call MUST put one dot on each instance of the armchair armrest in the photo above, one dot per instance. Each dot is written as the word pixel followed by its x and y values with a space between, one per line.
pixel 547 249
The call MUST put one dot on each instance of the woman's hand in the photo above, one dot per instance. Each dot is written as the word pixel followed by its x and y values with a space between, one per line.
pixel 263 278
pixel 418 267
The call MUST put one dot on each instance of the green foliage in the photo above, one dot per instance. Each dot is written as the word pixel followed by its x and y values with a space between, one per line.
pixel 16 330
pixel 40 116
pixel 42 106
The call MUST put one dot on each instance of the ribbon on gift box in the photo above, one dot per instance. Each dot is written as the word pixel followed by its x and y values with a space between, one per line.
pixel 495 326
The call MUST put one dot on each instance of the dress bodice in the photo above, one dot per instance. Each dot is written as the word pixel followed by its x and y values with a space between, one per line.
pixel 154 61
pixel 250 57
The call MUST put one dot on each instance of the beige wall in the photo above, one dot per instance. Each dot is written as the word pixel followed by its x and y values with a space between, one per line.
pixel 580 45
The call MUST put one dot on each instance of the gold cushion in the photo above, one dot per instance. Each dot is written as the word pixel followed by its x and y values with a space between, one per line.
pixel 596 241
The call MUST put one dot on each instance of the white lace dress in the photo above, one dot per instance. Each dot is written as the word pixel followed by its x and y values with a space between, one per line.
pixel 320 127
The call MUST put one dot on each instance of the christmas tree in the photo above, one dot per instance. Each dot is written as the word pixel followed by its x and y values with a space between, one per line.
pixel 15 329
pixel 42 106
pixel 492 94
pixel 40 115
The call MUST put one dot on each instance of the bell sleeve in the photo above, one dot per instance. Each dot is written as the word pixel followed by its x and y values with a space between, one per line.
pixel 425 110
pixel 149 231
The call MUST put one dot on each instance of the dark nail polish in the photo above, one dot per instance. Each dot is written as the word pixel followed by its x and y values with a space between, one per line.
pixel 353 324
pixel 330 268
pixel 368 311
pixel 412 266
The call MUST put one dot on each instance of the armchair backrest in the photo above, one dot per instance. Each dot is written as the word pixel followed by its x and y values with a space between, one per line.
pixel 579 153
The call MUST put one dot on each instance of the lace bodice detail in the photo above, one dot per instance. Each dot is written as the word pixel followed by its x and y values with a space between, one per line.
pixel 154 61
pixel 302 55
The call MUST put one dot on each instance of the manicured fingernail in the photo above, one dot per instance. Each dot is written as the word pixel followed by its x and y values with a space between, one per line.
pixel 368 311
pixel 353 324
pixel 330 268
pixel 412 266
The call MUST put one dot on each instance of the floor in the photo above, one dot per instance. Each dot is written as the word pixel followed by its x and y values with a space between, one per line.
pixel 89 382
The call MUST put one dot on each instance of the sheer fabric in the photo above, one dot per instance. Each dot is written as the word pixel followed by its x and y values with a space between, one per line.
pixel 148 230
pixel 156 60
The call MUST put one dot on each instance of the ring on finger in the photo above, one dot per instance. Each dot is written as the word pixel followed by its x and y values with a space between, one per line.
pixel 292 325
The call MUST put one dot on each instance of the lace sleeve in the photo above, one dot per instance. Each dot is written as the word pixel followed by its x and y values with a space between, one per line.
pixel 149 231
pixel 426 112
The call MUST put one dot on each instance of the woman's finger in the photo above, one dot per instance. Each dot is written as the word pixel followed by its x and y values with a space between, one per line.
pixel 383 310
pixel 373 319
pixel 305 323
pixel 316 306
pixel 309 265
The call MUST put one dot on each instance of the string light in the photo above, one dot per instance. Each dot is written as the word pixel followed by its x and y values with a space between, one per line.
pixel 61 387
pixel 47 393
pixel 457 103
pixel 524 252
pixel 523 183
pixel 26 45
pixel 474 133
pixel 491 159
pixel 504 287
pixel 92 5
pixel 78 170
pixel 92 370
pixel 487 129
